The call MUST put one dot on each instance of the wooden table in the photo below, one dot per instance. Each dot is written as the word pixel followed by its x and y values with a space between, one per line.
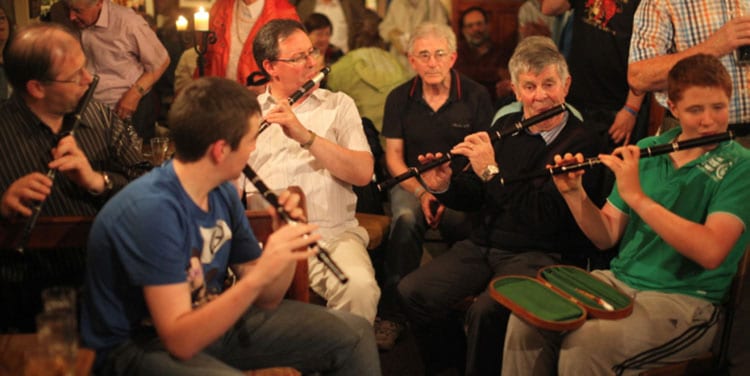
pixel 13 346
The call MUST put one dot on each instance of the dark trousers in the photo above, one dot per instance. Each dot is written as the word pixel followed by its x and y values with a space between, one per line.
pixel 430 295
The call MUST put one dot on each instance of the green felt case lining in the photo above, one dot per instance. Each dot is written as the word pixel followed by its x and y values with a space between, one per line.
pixel 586 288
pixel 534 297
pixel 560 298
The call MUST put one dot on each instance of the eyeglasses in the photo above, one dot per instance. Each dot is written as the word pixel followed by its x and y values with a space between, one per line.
pixel 301 57
pixel 76 78
pixel 440 56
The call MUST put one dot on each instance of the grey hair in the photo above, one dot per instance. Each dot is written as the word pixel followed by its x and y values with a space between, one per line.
pixel 535 53
pixel 427 29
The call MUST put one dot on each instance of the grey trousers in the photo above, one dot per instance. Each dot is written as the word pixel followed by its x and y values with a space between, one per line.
pixel 662 328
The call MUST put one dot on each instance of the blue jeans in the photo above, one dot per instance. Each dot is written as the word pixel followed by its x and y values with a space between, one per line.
pixel 404 247
pixel 306 337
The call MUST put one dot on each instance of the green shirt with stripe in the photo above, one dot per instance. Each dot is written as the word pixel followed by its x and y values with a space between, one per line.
pixel 717 181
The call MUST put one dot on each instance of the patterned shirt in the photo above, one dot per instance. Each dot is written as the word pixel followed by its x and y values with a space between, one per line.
pixel 662 27
pixel 108 144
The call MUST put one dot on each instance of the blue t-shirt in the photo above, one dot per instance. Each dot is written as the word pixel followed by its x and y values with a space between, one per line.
pixel 152 233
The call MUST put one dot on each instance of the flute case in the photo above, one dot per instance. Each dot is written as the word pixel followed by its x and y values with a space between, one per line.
pixel 561 297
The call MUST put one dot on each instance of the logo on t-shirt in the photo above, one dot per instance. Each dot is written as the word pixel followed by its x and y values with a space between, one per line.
pixel 201 274
pixel 213 239
pixel 716 167
pixel 598 13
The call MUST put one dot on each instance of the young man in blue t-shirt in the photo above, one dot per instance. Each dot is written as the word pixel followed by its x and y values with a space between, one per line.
pixel 158 254
pixel 681 221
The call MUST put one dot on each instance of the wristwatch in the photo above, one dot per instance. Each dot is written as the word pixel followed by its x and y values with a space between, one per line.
pixel 108 185
pixel 107 181
pixel 489 172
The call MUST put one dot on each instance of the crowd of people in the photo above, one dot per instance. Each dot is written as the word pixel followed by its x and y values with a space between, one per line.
pixel 166 238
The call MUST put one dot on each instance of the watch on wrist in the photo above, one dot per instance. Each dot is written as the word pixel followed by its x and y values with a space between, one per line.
pixel 107 182
pixel 140 89
pixel 489 172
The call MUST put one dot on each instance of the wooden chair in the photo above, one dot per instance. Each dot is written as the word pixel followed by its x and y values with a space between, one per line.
pixel 714 361
pixel 49 232
pixel 377 226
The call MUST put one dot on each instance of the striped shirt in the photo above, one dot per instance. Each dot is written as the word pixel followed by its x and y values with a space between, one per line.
pixel 108 144
pixel 662 27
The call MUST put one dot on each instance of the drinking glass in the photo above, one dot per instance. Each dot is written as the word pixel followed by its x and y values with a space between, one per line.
pixel 159 147
pixel 58 343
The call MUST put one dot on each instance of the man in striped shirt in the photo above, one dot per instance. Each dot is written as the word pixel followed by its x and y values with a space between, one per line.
pixel 46 66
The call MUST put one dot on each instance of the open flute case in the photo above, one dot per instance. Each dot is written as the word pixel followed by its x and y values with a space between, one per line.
pixel 561 297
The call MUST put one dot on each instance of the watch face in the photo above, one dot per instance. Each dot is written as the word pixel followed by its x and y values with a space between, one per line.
pixel 107 181
pixel 489 172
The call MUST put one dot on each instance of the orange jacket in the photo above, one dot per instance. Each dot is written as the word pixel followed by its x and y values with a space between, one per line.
pixel 222 15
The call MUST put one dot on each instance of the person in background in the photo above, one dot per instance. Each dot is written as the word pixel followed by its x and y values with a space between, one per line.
pixel 318 144
pixel 123 50
pixel 522 226
pixel 184 72
pixel 600 88
pixel 319 30
pixel 480 58
pixel 433 111
pixel 236 22
pixel 677 282
pixel 368 72
pixel 6 28
pixel 175 42
pixel 343 14
pixel 402 17
pixel 47 68
pixel 666 31
pixel 160 250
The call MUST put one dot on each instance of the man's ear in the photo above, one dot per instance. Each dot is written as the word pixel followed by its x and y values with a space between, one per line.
pixel 671 106
pixel 35 89
pixel 269 67
pixel 219 150
pixel 515 92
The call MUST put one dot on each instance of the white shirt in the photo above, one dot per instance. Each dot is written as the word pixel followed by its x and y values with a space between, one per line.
pixel 281 162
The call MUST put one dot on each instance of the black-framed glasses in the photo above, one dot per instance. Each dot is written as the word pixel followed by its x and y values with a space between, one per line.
pixel 301 57
pixel 424 56
pixel 77 77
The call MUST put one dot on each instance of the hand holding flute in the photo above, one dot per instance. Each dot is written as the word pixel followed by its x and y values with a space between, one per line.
pixel 623 162
pixel 297 95
pixel 322 255
pixel 494 135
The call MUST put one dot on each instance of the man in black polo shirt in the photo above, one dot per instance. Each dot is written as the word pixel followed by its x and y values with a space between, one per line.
pixel 522 226
pixel 434 111
pixel 46 66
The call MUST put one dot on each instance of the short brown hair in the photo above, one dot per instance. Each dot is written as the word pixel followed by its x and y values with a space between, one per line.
pixel 208 110
pixel 697 70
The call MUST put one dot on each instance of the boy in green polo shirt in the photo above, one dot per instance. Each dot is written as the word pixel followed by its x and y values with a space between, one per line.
pixel 680 219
